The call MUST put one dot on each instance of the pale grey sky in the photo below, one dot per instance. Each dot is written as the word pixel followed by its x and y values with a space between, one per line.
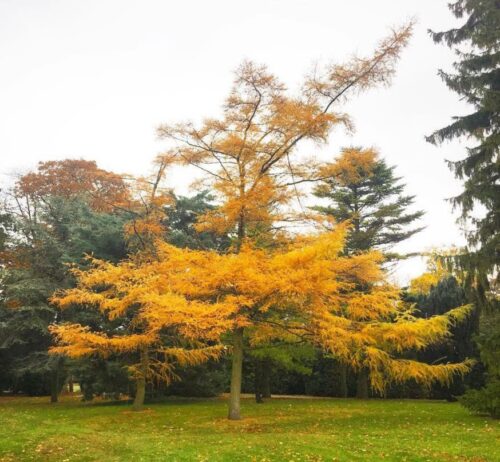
pixel 93 78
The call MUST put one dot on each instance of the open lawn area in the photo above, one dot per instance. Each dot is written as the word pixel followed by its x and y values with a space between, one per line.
pixel 279 430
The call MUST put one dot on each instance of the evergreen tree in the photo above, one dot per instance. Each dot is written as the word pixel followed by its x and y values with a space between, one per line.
pixel 361 188
pixel 181 219
pixel 35 264
pixel 487 399
pixel 51 218
pixel 476 79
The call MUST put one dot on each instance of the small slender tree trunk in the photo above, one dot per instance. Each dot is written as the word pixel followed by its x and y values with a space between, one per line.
pixel 236 375
pixel 266 379
pixel 55 380
pixel 71 387
pixel 343 391
pixel 362 384
pixel 140 392
pixel 258 381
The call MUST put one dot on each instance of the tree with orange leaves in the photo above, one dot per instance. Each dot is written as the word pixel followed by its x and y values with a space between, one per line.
pixel 126 285
pixel 155 327
pixel 54 227
pixel 177 306
pixel 248 156
pixel 68 178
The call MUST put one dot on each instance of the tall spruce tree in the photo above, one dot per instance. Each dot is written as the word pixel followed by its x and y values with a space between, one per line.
pixel 476 79
pixel 361 188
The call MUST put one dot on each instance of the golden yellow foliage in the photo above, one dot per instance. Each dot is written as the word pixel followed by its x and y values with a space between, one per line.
pixel 308 290
pixel 171 328
pixel 378 345
pixel 352 166
pixel 246 155
pixel 305 288
pixel 436 271
pixel 384 369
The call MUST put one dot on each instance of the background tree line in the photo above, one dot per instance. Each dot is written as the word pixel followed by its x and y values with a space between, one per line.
pixel 45 231
pixel 66 210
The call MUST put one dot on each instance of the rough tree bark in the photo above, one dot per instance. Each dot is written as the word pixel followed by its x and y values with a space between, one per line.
pixel 140 392
pixel 236 375
pixel 362 384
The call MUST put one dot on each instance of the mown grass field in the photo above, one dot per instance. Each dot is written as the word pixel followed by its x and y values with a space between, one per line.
pixel 279 430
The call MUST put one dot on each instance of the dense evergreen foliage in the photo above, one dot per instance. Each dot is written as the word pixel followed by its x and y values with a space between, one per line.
pixel 476 79
pixel 360 187
pixel 38 253
pixel 487 399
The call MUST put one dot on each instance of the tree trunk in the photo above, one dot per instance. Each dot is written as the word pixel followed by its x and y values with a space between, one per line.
pixel 71 385
pixel 140 392
pixel 55 380
pixel 343 391
pixel 236 374
pixel 362 384
pixel 266 379
pixel 258 381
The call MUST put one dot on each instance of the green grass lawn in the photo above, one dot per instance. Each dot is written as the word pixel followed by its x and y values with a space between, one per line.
pixel 279 430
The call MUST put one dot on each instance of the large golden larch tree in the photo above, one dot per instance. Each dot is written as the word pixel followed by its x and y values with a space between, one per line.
pixel 249 155
pixel 306 290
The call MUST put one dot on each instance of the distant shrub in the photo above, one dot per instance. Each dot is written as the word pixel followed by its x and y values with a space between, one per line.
pixel 484 401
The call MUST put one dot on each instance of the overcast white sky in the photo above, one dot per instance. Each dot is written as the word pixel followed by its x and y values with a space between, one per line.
pixel 93 78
